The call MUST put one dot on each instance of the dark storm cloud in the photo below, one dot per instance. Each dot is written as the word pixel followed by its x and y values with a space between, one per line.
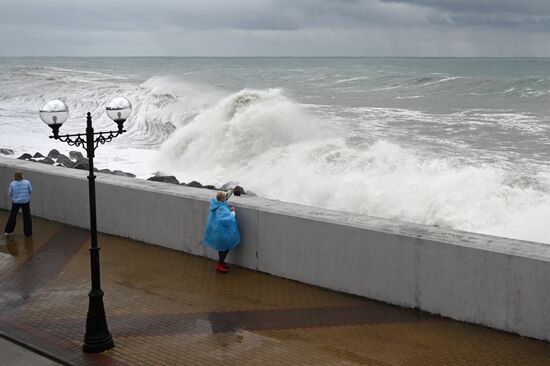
pixel 520 7
pixel 275 27
pixel 528 13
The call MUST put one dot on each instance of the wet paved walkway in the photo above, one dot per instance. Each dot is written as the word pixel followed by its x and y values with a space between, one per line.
pixel 168 308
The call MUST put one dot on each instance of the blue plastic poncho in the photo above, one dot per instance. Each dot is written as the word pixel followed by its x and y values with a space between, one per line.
pixel 222 232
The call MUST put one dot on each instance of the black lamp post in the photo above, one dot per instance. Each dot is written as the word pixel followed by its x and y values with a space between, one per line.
pixel 54 113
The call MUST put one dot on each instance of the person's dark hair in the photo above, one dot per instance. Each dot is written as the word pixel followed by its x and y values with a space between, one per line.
pixel 18 175
pixel 238 190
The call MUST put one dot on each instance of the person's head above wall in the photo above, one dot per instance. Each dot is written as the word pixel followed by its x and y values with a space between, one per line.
pixel 18 175
pixel 220 196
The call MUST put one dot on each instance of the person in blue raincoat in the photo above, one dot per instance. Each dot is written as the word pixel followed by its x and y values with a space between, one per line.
pixel 222 232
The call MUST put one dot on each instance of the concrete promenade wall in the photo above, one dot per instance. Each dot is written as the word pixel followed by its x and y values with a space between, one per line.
pixel 497 282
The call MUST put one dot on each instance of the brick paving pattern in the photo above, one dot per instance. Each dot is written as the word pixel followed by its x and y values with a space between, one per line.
pixel 168 308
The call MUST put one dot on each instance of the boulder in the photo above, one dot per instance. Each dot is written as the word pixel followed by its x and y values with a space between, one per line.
pixel 130 175
pixel 6 151
pixel 209 186
pixel 83 165
pixel 76 155
pixel 53 154
pixel 106 171
pixel 194 184
pixel 25 156
pixel 47 161
pixel 81 160
pixel 38 155
pixel 164 179
pixel 65 161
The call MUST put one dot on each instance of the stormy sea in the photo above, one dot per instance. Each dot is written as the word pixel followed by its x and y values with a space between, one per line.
pixel 460 143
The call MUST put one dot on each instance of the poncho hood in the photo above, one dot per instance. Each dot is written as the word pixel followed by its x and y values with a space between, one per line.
pixel 215 204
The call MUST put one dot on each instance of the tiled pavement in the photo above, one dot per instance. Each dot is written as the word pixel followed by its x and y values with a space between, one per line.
pixel 169 308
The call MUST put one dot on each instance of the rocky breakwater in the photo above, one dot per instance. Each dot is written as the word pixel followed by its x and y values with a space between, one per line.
pixel 237 190
pixel 76 160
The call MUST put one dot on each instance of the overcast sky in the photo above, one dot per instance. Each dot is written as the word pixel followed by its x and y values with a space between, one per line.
pixel 275 28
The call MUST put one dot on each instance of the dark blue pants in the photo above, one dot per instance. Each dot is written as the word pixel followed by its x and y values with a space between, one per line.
pixel 27 220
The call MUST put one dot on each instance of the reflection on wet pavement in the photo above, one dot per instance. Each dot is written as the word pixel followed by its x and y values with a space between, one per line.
pixel 168 308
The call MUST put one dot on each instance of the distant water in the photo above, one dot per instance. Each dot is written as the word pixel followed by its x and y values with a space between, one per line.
pixel 458 143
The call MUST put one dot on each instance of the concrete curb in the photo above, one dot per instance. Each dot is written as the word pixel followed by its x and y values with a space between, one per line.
pixel 34 349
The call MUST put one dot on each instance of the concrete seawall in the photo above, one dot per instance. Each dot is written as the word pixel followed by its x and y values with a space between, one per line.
pixel 497 282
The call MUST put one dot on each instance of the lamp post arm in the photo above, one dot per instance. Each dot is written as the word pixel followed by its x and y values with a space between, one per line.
pixel 78 141
pixel 107 136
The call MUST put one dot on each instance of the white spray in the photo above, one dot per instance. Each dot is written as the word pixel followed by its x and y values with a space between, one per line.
pixel 268 144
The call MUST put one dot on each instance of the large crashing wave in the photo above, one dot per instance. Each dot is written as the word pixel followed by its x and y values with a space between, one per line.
pixel 267 143
pixel 236 132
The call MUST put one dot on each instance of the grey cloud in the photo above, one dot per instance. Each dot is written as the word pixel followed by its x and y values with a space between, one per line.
pixel 126 14
pixel 275 27
pixel 522 7
pixel 499 13
pixel 213 14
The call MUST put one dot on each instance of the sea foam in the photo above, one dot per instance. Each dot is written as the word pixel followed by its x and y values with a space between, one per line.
pixel 269 144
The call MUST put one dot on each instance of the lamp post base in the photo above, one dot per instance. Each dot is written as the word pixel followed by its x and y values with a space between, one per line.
pixel 98 345
pixel 97 338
